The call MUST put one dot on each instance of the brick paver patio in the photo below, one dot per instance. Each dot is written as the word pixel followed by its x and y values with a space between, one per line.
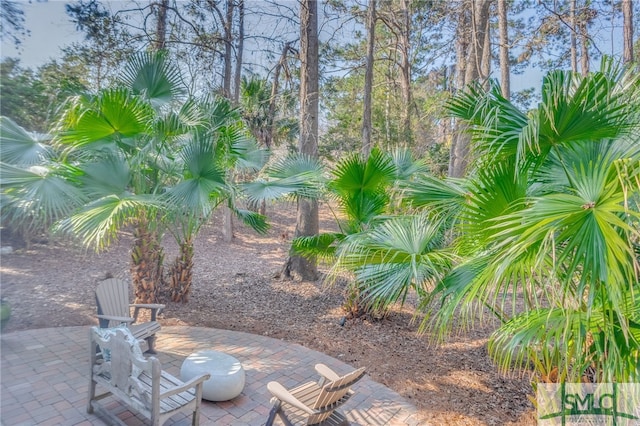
pixel 44 378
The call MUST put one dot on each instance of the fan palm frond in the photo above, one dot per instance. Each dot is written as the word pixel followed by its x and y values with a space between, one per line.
pixel 112 117
pixel 152 76
pixel 406 167
pixel 497 124
pixel 37 196
pixel 293 175
pixel 97 223
pixel 394 256
pixel 22 148
pixel 563 334
pixel 203 179
pixel 322 245
pixel 107 175
pixel 256 221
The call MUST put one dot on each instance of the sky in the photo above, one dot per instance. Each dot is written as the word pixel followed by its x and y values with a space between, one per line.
pixel 50 30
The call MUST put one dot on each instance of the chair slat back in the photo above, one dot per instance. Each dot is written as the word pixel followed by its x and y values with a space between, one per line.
pixel 333 391
pixel 123 361
pixel 112 298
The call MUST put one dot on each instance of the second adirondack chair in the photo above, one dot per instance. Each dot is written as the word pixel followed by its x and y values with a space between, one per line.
pixel 112 298
pixel 314 402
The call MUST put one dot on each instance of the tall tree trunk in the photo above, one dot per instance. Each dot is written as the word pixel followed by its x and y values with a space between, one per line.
pixel 460 138
pixel 405 69
pixel 239 52
pixel 584 48
pixel 503 28
pixel 477 66
pixel 307 218
pixel 387 101
pixel 574 37
pixel 627 29
pixel 584 42
pixel 269 130
pixel 228 48
pixel 275 87
pixel 485 54
pixel 161 26
pixel 368 80
pixel 227 217
pixel 473 62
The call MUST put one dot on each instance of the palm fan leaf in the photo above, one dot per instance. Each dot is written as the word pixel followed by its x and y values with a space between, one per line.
pixel 496 124
pixel 578 109
pixel 405 166
pixel 293 175
pixel 256 221
pixel 114 116
pixel 322 245
pixel 355 176
pixel 203 179
pixel 38 195
pixel 109 175
pixel 97 223
pixel 394 256
pixel 152 76
pixel 362 186
pixel 249 156
pixel 446 197
pixel 22 148
pixel 574 340
pixel 219 112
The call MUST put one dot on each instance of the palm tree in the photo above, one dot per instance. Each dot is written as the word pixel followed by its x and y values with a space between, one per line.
pixel 267 114
pixel 394 255
pixel 121 139
pixel 208 161
pixel 145 155
pixel 548 224
pixel 386 255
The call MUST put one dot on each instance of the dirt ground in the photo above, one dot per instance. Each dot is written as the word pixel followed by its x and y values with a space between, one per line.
pixel 52 284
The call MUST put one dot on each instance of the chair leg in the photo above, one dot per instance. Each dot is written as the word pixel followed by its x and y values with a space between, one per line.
pixel 195 420
pixel 273 413
pixel 92 394
pixel 151 342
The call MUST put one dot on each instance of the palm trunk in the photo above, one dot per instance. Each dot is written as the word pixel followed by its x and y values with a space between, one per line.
pixel 181 273
pixel 147 256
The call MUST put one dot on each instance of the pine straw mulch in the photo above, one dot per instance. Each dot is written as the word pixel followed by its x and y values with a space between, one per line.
pixel 235 287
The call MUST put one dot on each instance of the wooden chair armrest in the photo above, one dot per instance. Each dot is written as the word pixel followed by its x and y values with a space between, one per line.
pixel 147 305
pixel 186 386
pixel 326 372
pixel 155 308
pixel 284 395
pixel 127 320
